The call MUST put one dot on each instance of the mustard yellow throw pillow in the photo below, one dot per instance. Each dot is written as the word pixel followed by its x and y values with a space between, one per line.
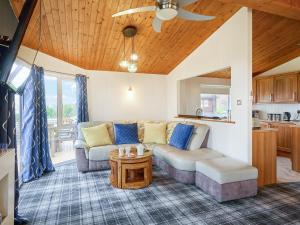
pixel 96 136
pixel 155 133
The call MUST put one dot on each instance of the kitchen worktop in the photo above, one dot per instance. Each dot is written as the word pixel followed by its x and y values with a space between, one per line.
pixel 203 118
pixel 292 122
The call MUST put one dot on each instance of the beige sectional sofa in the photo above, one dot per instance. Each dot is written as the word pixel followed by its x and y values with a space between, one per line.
pixel 180 164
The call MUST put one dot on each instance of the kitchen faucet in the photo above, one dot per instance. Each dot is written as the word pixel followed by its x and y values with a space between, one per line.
pixel 199 112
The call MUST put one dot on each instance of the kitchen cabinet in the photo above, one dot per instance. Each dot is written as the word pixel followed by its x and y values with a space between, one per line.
pixel 264 155
pixel 296 148
pixel 254 97
pixel 285 88
pixel 264 89
pixel 284 138
pixel 298 88
pixel 281 88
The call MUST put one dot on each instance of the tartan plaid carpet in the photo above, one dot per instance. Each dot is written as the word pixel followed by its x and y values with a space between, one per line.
pixel 68 197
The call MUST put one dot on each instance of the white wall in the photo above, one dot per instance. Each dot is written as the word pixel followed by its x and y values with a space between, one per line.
pixel 231 45
pixel 110 99
pixel 108 96
pixel 291 66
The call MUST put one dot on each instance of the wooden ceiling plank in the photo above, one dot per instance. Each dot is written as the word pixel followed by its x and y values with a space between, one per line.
pixel 286 8
pixel 63 25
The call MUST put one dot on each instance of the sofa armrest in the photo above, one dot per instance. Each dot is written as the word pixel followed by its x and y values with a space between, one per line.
pixel 81 144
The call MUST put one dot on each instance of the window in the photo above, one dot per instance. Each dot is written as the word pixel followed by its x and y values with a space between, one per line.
pixel 18 74
pixel 215 104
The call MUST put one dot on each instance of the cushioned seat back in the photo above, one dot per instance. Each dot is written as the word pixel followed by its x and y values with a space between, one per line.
pixel 199 137
pixel 92 124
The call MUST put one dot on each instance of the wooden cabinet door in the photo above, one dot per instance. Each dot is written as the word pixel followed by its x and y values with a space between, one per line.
pixel 298 88
pixel 285 88
pixel 254 96
pixel 264 90
pixel 284 137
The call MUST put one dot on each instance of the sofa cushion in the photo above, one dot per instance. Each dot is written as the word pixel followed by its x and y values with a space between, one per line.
pixel 126 133
pixel 155 133
pixel 181 135
pixel 96 136
pixel 198 137
pixel 226 170
pixel 183 160
pixel 101 153
pixel 109 126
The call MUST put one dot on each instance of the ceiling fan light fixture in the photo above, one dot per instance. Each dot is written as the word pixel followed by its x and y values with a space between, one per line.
pixel 134 57
pixel 166 13
pixel 132 68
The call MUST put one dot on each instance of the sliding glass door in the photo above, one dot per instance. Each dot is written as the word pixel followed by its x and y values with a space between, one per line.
pixel 61 111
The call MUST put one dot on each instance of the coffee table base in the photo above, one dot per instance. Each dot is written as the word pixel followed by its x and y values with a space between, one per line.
pixel 127 175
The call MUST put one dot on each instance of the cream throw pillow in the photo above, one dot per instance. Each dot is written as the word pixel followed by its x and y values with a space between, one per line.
pixel 96 136
pixel 155 133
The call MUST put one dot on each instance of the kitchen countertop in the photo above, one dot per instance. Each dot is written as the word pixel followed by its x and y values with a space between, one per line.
pixel 297 123
pixel 264 130
pixel 204 118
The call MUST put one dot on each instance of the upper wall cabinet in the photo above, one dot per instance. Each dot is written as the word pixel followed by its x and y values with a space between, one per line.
pixel 264 89
pixel 283 88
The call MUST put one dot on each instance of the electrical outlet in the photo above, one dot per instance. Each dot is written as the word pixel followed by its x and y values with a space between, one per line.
pixel 239 102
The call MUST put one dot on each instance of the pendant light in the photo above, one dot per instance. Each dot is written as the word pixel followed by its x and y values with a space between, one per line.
pixel 131 64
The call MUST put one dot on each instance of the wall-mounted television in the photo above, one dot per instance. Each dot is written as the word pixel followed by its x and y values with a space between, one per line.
pixel 12 31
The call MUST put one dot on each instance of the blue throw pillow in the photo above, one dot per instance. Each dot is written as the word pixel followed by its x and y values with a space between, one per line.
pixel 126 133
pixel 181 136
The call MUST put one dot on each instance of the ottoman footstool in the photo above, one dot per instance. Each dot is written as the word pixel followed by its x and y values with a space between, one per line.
pixel 226 179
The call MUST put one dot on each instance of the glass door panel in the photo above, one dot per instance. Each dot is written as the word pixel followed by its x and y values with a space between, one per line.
pixel 51 100
pixel 68 102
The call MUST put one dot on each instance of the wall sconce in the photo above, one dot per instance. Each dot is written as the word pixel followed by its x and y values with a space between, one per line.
pixel 130 93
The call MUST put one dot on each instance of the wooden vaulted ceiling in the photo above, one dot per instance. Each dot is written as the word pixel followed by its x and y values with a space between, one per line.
pixel 82 32
pixel 276 40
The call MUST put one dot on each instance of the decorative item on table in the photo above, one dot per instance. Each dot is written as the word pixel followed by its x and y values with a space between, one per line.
pixel 127 149
pixel 121 151
pixel 140 149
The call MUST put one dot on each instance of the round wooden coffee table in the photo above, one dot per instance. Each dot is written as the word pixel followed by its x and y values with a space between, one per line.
pixel 131 172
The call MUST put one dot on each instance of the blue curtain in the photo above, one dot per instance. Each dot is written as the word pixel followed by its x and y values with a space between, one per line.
pixel 8 135
pixel 35 147
pixel 82 102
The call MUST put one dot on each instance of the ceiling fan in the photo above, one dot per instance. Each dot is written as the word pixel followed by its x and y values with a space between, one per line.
pixel 167 10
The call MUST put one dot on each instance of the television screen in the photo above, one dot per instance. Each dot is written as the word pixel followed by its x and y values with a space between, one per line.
pixel 9 21
pixel 15 63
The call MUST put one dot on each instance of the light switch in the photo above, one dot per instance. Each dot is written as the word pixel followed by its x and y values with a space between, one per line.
pixel 239 102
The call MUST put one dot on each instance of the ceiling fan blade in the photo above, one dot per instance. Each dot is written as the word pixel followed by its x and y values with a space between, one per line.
pixel 183 14
pixel 156 24
pixel 183 3
pixel 136 10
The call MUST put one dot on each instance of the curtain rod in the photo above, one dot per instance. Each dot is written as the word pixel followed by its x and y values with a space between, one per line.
pixel 52 71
